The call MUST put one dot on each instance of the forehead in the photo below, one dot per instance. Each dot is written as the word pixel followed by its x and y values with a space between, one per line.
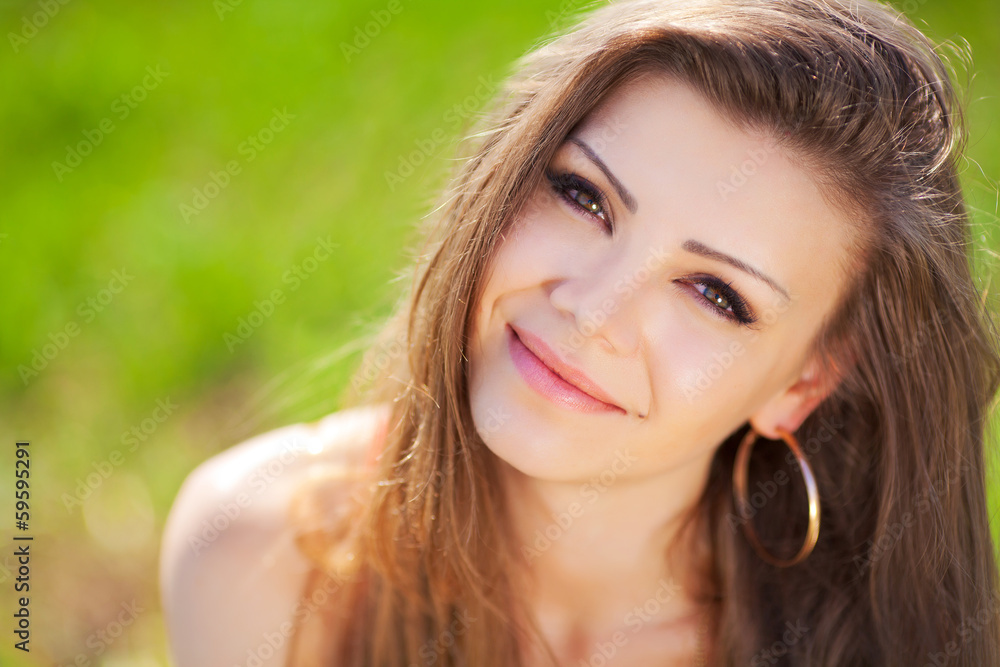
pixel 695 174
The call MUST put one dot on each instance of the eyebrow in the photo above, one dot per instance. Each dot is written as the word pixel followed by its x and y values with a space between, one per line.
pixel 700 248
pixel 691 245
pixel 622 191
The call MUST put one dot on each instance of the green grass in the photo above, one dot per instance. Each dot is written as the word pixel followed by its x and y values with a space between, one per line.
pixel 62 235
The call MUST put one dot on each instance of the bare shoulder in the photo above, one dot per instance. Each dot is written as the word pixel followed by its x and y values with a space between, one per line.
pixel 230 571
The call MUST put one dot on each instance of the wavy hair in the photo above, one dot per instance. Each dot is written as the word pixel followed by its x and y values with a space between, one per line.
pixel 905 571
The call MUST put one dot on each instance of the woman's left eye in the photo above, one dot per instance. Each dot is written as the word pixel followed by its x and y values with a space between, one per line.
pixel 725 301
pixel 581 194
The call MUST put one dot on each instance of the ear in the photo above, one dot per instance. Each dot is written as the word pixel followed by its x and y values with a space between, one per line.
pixel 790 407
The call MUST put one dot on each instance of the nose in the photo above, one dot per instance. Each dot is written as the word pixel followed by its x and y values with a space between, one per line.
pixel 598 297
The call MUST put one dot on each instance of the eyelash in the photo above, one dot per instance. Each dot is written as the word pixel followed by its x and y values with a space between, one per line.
pixel 563 183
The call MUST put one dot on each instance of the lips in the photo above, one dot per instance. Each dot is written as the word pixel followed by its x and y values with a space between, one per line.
pixel 549 375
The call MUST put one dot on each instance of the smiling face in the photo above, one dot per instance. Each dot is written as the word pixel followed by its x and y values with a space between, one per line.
pixel 660 288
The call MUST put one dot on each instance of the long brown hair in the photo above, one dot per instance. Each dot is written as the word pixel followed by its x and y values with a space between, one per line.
pixel 905 570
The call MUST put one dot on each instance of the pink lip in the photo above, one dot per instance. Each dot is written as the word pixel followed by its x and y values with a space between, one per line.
pixel 549 376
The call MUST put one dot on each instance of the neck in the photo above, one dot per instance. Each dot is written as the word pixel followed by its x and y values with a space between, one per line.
pixel 594 552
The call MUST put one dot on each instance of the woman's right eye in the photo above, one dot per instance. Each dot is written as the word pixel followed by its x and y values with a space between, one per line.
pixel 580 194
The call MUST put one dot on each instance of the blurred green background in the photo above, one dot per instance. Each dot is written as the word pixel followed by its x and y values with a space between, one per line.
pixel 129 266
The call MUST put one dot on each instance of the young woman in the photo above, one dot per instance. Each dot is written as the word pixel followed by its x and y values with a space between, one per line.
pixel 695 373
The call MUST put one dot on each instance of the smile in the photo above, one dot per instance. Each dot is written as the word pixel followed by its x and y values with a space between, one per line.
pixel 553 379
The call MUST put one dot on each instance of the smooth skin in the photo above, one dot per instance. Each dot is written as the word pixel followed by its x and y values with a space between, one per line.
pixel 602 274
pixel 230 586
pixel 608 277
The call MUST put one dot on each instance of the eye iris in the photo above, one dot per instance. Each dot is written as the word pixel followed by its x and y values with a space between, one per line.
pixel 587 202
pixel 718 298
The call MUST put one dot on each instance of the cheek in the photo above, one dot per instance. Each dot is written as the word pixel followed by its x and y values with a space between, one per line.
pixel 732 378
pixel 694 372
pixel 537 247
pixel 547 236
pixel 686 369
pixel 508 273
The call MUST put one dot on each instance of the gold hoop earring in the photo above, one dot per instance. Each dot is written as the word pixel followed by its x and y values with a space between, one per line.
pixel 743 506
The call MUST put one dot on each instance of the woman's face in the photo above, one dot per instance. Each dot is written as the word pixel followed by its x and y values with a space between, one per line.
pixel 658 291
